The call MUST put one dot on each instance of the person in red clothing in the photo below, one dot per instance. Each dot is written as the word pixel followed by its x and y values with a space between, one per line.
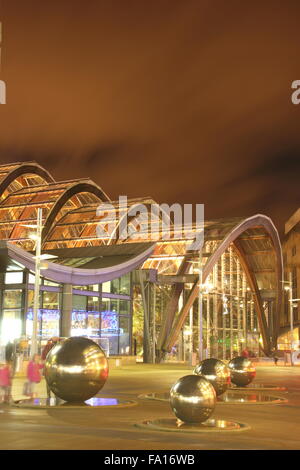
pixel 49 345
pixel 245 353
pixel 33 374
pixel 5 382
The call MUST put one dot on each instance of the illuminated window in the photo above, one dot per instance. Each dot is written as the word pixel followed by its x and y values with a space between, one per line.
pixel 30 299
pixel 48 323
pixel 79 323
pixel 12 298
pixel 14 278
pixel 79 302
pixel 51 300
pixel 93 324
pixel 93 303
pixel 121 285
pixel 11 326
pixel 106 286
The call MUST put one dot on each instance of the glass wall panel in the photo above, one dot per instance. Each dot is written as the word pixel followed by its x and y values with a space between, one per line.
pixel 110 330
pixel 121 285
pixel 11 325
pixel 79 302
pixel 106 287
pixel 79 323
pixel 30 298
pixel 93 324
pixel 14 278
pixel 48 323
pixel 50 300
pixel 124 307
pixel 125 284
pixel 12 298
pixel 93 303
pixel 94 287
pixel 124 332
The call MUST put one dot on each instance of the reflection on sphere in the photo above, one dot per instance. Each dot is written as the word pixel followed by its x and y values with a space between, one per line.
pixel 242 371
pixel 216 372
pixel 76 369
pixel 192 399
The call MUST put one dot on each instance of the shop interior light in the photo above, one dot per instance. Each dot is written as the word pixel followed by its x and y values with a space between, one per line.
pixel 29 225
pixel 33 236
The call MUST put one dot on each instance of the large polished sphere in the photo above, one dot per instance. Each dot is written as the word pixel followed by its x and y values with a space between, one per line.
pixel 216 372
pixel 192 399
pixel 76 369
pixel 242 371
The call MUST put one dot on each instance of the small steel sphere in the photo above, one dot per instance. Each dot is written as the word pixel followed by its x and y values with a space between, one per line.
pixel 242 371
pixel 76 369
pixel 192 399
pixel 216 372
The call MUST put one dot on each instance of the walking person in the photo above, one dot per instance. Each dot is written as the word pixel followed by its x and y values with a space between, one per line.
pixel 9 351
pixel 245 353
pixel 49 345
pixel 5 382
pixel 33 374
pixel 275 357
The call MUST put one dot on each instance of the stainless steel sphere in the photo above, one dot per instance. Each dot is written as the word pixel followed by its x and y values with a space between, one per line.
pixel 216 372
pixel 192 399
pixel 242 371
pixel 76 369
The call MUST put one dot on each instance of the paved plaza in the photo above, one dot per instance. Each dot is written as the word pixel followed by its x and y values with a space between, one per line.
pixel 272 426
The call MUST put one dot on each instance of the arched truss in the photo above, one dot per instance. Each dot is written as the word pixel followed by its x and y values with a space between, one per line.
pixel 17 173
pixel 19 209
pixel 75 190
pixel 171 329
pixel 79 227
pixel 138 207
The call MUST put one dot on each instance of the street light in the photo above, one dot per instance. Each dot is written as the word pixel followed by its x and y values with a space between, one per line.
pixel 38 266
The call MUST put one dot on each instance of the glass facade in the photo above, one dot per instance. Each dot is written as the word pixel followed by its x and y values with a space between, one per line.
pixel 120 285
pixel 104 317
pixel 116 325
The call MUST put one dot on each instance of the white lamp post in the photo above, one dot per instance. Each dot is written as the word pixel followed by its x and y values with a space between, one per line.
pixel 38 266
pixel 36 282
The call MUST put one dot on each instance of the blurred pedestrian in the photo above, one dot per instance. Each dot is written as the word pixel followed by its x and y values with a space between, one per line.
pixel 49 345
pixel 33 374
pixel 9 350
pixel 5 382
pixel 275 357
pixel 245 353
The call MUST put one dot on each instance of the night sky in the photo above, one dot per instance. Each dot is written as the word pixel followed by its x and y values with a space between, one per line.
pixel 185 101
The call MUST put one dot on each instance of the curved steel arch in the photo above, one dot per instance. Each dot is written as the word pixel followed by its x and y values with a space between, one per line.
pixel 75 189
pixel 258 220
pixel 22 170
